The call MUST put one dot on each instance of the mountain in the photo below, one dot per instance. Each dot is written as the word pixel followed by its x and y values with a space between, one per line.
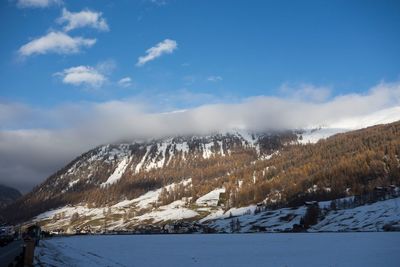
pixel 208 180
pixel 8 195
pixel 112 173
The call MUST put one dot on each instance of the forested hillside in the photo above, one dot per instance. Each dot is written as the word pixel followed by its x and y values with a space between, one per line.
pixel 345 164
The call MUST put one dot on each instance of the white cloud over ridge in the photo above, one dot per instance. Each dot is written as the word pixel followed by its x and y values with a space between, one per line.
pixel 165 47
pixel 30 149
pixel 84 18
pixel 37 3
pixel 55 42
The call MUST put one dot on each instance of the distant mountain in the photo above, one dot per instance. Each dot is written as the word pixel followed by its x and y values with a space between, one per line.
pixel 8 195
pixel 210 179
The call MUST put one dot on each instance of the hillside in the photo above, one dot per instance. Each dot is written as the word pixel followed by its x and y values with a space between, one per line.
pixel 8 195
pixel 112 173
pixel 201 178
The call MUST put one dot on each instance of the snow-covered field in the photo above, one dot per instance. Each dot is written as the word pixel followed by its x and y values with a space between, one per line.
pixel 370 217
pixel 319 249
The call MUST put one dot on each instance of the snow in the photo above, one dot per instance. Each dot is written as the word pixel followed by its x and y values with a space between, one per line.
pixel 314 134
pixel 273 221
pixel 248 140
pixel 159 159
pixel 117 174
pixel 380 117
pixel 239 211
pixel 322 249
pixel 111 152
pixel 211 198
pixel 170 212
pixel 70 185
pixel 365 218
pixel 123 204
pixel 207 150
pixel 174 211
pixel 151 197
pixel 221 148
pixel 183 147
pixel 370 217
pixel 216 214
pixel 65 213
pixel 140 164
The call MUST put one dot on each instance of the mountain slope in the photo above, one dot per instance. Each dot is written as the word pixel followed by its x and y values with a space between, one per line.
pixel 201 178
pixel 111 173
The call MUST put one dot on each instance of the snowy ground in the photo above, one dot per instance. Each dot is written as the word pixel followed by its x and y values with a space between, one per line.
pixel 367 218
pixel 319 249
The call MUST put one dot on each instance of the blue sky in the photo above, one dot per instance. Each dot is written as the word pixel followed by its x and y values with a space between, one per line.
pixel 251 48
pixel 77 74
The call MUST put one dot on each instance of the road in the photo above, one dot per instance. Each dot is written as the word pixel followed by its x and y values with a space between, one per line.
pixel 9 252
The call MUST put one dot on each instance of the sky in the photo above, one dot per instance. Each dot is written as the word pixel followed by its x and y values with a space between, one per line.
pixel 77 74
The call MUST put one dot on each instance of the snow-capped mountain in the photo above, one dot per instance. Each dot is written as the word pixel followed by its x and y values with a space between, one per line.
pixel 108 164
pixel 206 179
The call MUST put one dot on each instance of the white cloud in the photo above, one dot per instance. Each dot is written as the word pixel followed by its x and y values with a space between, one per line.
pixel 34 143
pixel 37 3
pixel 84 18
pixel 106 67
pixel 214 78
pixel 165 47
pixel 55 42
pixel 125 82
pixel 83 75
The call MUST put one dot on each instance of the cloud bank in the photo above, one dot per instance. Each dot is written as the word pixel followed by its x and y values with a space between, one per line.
pixel 36 142
pixel 165 47
pixel 55 42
